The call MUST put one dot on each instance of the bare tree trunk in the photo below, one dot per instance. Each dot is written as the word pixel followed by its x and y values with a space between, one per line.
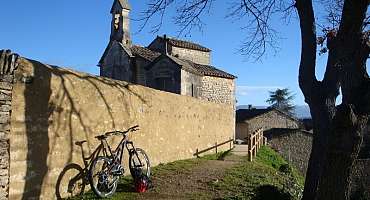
pixel 344 146
pixel 321 116
pixel 345 136
pixel 336 140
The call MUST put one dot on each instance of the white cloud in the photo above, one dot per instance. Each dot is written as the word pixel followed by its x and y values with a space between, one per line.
pixel 244 90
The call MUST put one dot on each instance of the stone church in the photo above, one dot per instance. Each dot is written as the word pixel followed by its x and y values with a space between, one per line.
pixel 167 64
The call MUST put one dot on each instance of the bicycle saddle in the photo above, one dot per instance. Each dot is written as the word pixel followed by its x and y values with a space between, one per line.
pixel 79 143
pixel 101 137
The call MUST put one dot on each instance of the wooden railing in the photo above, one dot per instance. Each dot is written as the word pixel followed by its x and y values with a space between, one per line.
pixel 230 141
pixel 255 141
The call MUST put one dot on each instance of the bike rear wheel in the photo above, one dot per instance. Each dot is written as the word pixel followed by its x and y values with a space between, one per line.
pixel 139 160
pixel 102 181
pixel 71 182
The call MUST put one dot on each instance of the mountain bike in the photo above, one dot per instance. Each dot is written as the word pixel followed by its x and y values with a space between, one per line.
pixel 106 170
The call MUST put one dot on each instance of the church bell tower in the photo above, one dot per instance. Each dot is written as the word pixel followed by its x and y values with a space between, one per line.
pixel 120 30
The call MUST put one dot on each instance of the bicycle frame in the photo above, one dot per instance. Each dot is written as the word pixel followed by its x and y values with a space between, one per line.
pixel 124 143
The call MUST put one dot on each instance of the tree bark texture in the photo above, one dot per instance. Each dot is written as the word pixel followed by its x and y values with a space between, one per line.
pixel 337 131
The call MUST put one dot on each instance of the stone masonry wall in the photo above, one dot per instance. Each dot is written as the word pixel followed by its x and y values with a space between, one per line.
pixel 294 146
pixel 219 90
pixel 241 131
pixel 196 56
pixel 57 107
pixel 8 63
pixel 5 111
pixel 190 84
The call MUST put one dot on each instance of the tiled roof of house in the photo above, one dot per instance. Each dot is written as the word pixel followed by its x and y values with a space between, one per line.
pixel 185 44
pixel 208 70
pixel 247 114
pixel 144 53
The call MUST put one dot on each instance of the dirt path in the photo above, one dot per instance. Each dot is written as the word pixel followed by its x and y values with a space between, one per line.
pixel 191 183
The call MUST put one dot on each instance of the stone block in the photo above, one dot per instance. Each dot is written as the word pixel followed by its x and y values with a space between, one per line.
pixel 5 97
pixel 5 127
pixel 5 108
pixel 7 92
pixel 4 117
pixel 6 85
pixel 7 78
pixel 4 136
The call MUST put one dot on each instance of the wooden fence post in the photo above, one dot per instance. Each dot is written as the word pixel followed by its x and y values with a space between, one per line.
pixel 216 147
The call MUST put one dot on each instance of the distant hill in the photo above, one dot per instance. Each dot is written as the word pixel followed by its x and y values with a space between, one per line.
pixel 301 112
pixel 246 107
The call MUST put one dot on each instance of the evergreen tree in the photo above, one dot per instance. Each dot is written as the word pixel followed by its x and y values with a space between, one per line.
pixel 282 100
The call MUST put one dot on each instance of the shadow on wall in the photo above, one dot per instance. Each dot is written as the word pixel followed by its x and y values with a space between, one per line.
pixel 37 95
pixel 49 107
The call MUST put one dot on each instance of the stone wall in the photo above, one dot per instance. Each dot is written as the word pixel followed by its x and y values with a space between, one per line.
pixel 219 90
pixel 8 63
pixel 241 131
pixel 200 57
pixel 5 111
pixel 270 120
pixel 140 65
pixel 116 63
pixel 190 84
pixel 165 75
pixel 196 56
pixel 56 107
pixel 294 146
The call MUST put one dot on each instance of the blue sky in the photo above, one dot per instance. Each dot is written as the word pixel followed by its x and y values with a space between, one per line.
pixel 74 34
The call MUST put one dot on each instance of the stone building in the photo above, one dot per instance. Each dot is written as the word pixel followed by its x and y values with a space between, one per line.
pixel 249 120
pixel 167 64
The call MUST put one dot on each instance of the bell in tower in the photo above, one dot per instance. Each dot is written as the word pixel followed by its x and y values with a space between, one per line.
pixel 120 22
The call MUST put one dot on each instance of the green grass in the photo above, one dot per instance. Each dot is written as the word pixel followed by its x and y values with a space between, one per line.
pixel 261 179
pixel 216 156
pixel 268 177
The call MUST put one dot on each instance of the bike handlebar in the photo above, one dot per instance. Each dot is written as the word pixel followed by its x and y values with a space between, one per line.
pixel 131 129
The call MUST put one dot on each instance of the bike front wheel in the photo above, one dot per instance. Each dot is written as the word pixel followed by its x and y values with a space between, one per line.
pixel 102 181
pixel 139 161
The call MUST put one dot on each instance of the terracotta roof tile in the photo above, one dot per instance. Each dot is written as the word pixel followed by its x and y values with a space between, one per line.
pixel 185 44
pixel 208 70
pixel 144 53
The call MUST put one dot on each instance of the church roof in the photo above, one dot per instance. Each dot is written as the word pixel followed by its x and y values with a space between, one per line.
pixel 125 4
pixel 185 44
pixel 144 53
pixel 209 70
pixel 195 68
